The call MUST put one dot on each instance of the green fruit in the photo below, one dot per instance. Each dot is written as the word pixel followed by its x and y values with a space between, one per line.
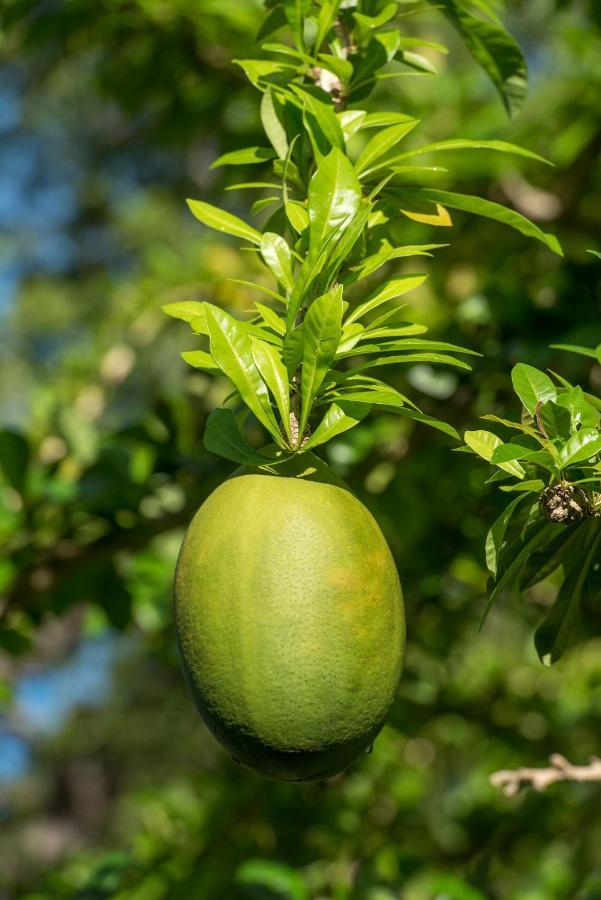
pixel 290 620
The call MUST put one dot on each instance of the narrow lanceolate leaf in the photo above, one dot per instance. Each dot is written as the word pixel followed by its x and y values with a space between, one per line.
pixel 223 221
pixel 553 635
pixel 223 437
pixel 334 197
pixel 247 157
pixel 532 386
pixel 200 359
pixel 184 309
pixel 390 290
pixel 465 144
pixel 339 418
pixel 322 328
pixel 494 539
pixel 372 263
pixel 494 49
pixel 381 144
pixel 479 207
pixel 274 129
pixel 583 445
pixel 325 131
pixel 276 253
pixel 275 375
pixel 292 351
pixel 296 11
pixel 484 443
pixel 592 352
pixel 231 348
pixel 271 318
pixel 513 558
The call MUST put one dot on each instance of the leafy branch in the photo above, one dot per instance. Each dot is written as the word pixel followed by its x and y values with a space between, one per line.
pixel 553 466
pixel 303 365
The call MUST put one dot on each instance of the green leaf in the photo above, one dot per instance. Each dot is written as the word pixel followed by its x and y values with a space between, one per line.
pixel 351 121
pixel 275 375
pixel 257 70
pixel 222 436
pixel 407 345
pixel 547 559
pixel 292 352
pixel 595 253
pixel 322 328
pixel 296 11
pixel 231 348
pixel 481 207
pixel 200 359
pixel 580 447
pixel 324 128
pixel 581 411
pixel 372 263
pixel 223 221
pixel 494 539
pixel 535 486
pixel 259 287
pixel 339 418
pixel 465 144
pixel 592 352
pixel 494 49
pixel 325 20
pixel 408 359
pixel 484 443
pixel 555 419
pixel 274 20
pixel 553 634
pixel 297 215
pixel 508 453
pixel 187 310
pixel 382 143
pixel 532 386
pixel 518 426
pixel 247 157
pixel 383 119
pixel 276 253
pixel 369 23
pixel 334 197
pixel 390 290
pixel 511 562
pixel 271 318
pixel 272 126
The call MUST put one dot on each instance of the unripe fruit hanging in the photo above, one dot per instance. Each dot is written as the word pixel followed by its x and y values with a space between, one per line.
pixel 290 621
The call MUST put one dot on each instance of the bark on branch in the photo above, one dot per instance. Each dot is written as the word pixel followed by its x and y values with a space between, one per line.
pixel 512 781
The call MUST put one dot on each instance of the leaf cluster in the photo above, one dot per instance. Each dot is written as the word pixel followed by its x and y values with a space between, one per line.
pixel 556 445
pixel 342 177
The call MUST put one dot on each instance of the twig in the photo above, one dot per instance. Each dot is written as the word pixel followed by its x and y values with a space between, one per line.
pixel 511 781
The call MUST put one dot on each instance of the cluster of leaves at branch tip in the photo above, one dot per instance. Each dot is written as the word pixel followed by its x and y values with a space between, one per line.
pixel 342 177
pixel 553 523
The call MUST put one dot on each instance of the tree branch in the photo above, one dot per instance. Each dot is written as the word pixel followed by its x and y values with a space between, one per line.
pixel 512 781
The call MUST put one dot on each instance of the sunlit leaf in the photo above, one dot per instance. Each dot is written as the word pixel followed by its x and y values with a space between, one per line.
pixel 339 418
pixel 223 437
pixel 322 328
pixel 231 348
pixel 247 157
pixel 532 386
pixel 275 375
pixel 223 221
pixel 480 207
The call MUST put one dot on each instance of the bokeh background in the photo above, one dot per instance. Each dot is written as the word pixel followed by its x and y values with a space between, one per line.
pixel 110 787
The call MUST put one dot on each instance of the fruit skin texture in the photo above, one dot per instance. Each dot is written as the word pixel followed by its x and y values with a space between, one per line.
pixel 290 621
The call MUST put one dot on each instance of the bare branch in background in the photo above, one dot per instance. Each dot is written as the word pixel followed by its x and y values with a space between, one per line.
pixel 512 781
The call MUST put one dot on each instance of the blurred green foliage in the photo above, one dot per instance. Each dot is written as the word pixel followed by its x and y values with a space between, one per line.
pixel 111 113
